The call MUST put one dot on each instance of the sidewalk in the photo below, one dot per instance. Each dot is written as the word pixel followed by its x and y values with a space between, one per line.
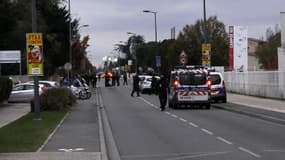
pixel 76 138
pixel 256 102
pixel 10 112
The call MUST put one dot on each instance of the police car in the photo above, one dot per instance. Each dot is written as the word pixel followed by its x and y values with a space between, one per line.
pixel 218 88
pixel 189 86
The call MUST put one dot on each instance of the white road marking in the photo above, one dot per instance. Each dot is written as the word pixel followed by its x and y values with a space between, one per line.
pixel 174 116
pixel 193 124
pixel 207 131
pixel 275 150
pixel 224 140
pixel 167 113
pixel 183 120
pixel 79 149
pixel 249 152
pixel 70 149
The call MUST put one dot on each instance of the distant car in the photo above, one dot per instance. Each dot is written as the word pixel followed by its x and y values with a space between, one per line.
pixel 24 92
pixel 218 88
pixel 145 83
pixel 47 84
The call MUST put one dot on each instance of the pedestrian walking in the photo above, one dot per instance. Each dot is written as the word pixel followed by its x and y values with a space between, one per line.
pixel 125 77
pixel 94 80
pixel 118 78
pixel 153 84
pixel 136 87
pixel 162 89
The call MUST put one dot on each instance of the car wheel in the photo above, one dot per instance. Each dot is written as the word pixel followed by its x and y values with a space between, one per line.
pixel 208 106
pixel 224 100
pixel 169 104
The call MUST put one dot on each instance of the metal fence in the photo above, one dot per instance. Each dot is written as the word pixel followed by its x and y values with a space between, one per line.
pixel 269 84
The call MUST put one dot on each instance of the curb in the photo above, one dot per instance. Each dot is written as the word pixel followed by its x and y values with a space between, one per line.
pixel 109 142
pixel 53 132
pixel 252 114
pixel 101 132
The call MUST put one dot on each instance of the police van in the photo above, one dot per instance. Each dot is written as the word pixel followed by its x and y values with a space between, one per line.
pixel 189 86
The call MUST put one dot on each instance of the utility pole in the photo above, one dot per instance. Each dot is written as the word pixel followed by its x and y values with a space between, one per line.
pixel 36 79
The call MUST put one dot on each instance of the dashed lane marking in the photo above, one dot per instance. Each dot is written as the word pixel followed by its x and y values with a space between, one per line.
pixel 224 140
pixel 207 131
pixel 183 120
pixel 193 124
pixel 249 152
pixel 174 116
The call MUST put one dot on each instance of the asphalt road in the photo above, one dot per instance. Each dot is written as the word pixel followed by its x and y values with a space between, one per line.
pixel 142 132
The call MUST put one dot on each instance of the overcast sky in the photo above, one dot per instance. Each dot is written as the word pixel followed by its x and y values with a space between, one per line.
pixel 109 20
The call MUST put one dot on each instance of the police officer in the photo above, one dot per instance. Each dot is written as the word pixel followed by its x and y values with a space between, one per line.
pixel 136 87
pixel 162 89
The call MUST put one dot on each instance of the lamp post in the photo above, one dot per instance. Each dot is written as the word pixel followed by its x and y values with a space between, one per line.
pixel 119 59
pixel 157 58
pixel 70 44
pixel 134 49
pixel 155 24
pixel 36 79
pixel 204 11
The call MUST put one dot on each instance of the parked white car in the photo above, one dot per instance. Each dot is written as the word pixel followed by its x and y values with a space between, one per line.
pixel 145 83
pixel 47 84
pixel 24 92
pixel 218 88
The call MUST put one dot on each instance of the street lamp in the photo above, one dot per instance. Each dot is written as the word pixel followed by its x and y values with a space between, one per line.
pixel 157 57
pixel 204 10
pixel 119 59
pixel 155 24
pixel 133 48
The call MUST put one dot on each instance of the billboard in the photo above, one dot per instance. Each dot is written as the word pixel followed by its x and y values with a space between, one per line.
pixel 35 54
pixel 238 53
pixel 10 56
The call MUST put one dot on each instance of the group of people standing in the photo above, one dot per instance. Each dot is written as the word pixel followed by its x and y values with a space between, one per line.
pixel 159 87
pixel 113 78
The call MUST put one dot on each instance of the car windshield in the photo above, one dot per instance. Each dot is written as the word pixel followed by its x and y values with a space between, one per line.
pixel 192 79
pixel 216 79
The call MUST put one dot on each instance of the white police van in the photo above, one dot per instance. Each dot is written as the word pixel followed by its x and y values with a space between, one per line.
pixel 189 86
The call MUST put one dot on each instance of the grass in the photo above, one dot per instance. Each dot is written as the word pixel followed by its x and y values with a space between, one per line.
pixel 27 134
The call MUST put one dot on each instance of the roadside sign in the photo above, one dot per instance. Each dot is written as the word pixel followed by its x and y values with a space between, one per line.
pixel 35 58
pixel 158 61
pixel 67 66
pixel 206 54
pixel 183 58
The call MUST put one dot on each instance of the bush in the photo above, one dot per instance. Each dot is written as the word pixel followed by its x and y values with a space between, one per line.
pixel 56 99
pixel 6 85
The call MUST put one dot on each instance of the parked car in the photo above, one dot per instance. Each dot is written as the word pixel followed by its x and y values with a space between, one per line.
pixel 145 83
pixel 47 84
pixel 24 92
pixel 218 88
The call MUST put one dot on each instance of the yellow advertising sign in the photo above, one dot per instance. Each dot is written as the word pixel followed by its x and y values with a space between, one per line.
pixel 206 54
pixel 35 55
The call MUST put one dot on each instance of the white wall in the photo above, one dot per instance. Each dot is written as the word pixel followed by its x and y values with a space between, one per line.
pixel 270 84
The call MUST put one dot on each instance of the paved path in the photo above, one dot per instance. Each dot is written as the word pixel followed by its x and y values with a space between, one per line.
pixel 256 102
pixel 10 112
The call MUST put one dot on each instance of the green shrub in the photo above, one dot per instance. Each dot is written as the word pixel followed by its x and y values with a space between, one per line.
pixel 6 85
pixel 56 99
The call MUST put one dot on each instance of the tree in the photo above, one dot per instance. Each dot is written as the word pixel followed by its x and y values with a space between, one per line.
pixel 192 37
pixel 267 52
pixel 53 21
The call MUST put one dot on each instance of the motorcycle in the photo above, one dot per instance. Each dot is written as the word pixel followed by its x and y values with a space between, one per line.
pixel 82 91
